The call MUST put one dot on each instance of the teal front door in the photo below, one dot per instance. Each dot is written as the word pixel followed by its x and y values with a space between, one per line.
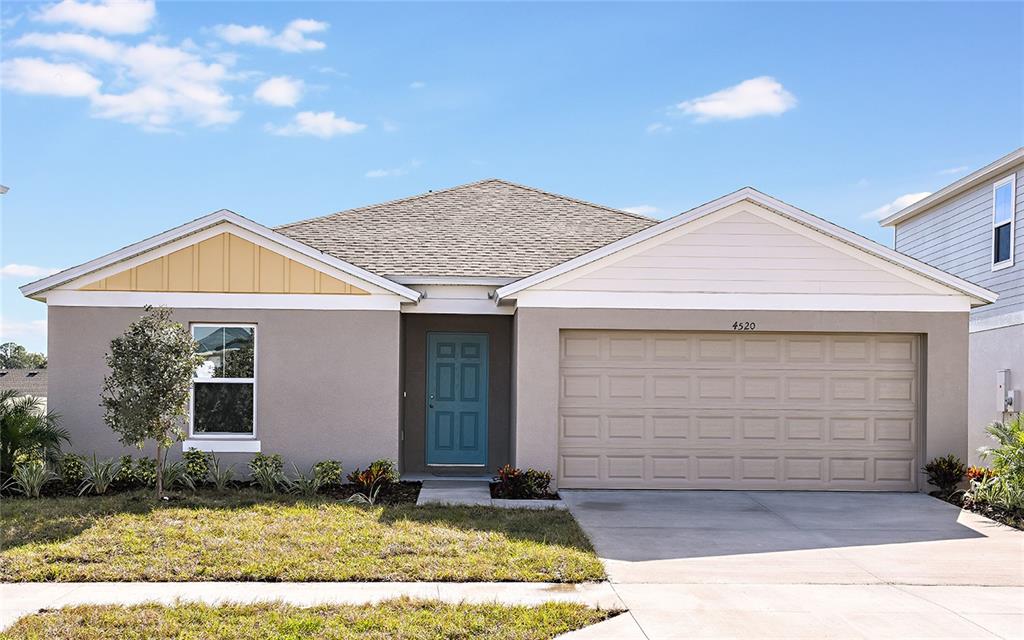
pixel 456 399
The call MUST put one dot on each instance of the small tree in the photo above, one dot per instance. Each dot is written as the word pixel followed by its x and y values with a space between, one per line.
pixel 145 396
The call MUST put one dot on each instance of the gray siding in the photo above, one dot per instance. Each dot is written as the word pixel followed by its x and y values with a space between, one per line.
pixel 956 236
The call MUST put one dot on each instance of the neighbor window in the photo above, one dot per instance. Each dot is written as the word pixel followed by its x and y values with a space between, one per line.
pixel 224 385
pixel 1002 222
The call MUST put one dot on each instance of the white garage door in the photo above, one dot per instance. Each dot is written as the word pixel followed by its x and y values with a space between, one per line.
pixel 678 410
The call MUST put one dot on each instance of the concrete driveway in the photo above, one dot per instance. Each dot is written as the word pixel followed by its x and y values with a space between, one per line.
pixel 724 564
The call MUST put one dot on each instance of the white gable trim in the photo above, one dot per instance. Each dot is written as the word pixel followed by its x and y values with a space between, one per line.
pixel 122 258
pixel 816 224
pixel 984 174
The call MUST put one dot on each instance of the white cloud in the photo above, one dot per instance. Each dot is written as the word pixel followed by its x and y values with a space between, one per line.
pixel 166 84
pixel 762 96
pixel 322 125
pixel 280 91
pixel 658 127
pixel 417 84
pixel 385 173
pixel 172 85
pixel 395 172
pixel 78 43
pixel 899 203
pixel 14 270
pixel 291 39
pixel 642 209
pixel 952 171
pixel 21 329
pixel 108 16
pixel 36 76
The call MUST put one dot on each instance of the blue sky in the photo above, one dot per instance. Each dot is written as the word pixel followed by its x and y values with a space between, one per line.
pixel 122 121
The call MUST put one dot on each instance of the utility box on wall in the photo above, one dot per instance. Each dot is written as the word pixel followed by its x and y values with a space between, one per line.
pixel 1007 398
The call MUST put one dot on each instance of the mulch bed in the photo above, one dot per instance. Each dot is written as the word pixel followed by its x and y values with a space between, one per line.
pixel 1009 518
pixel 495 494
pixel 398 493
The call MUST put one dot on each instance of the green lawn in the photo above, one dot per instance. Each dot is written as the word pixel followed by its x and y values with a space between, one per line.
pixel 244 535
pixel 394 619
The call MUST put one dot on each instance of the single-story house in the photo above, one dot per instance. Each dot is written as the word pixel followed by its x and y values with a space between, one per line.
pixel 744 344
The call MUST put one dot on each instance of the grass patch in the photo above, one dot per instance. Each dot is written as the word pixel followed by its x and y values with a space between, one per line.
pixel 399 619
pixel 251 536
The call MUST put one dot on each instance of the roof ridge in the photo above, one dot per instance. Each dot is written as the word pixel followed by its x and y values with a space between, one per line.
pixel 463 186
pixel 385 203
pixel 573 200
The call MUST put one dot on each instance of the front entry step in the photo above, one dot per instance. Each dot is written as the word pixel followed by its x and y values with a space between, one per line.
pixel 461 492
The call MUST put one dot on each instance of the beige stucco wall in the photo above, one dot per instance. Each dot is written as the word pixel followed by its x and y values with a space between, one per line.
pixel 991 351
pixel 535 407
pixel 327 382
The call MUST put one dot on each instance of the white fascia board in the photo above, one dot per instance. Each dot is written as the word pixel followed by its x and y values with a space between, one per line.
pixel 981 175
pixel 747 193
pixel 34 288
pixel 742 301
pixel 298 301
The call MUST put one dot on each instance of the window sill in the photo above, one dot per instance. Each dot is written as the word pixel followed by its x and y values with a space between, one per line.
pixel 222 446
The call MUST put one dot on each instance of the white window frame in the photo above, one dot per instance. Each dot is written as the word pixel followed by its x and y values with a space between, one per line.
pixel 1012 181
pixel 244 437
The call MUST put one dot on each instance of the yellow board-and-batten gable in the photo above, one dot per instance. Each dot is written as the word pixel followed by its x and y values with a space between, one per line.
pixel 224 263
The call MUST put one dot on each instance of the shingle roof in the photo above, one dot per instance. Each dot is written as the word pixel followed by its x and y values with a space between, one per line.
pixel 490 228
pixel 30 382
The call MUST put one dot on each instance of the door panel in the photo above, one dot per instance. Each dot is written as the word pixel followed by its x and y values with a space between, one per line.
pixel 456 399
pixel 753 411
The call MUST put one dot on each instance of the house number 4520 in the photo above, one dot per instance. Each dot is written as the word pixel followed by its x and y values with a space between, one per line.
pixel 744 326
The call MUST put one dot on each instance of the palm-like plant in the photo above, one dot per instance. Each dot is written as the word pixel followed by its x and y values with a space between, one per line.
pixel 27 432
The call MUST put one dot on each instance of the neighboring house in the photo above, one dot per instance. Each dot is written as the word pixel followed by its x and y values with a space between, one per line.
pixel 974 228
pixel 27 382
pixel 742 344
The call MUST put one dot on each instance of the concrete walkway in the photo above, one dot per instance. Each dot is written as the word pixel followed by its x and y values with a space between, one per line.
pixel 802 565
pixel 475 493
pixel 19 599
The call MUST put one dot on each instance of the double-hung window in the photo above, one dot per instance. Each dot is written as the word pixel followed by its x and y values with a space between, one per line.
pixel 1003 214
pixel 224 385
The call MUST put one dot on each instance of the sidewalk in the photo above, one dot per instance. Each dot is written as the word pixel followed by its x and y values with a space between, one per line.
pixel 18 599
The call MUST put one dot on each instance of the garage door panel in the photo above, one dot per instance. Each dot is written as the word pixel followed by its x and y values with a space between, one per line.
pixel 723 469
pixel 677 410
pixel 888 431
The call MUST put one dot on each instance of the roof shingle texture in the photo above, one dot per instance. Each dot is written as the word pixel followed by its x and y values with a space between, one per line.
pixel 490 228
pixel 30 382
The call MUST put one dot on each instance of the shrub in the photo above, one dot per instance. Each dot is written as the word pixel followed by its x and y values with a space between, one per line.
pixel 329 472
pixel 1008 455
pixel 27 432
pixel 267 471
pixel 144 472
pixel 29 477
pixel 303 484
pixel 175 474
pixel 197 466
pixel 273 461
pixel 515 483
pixel 71 469
pixel 221 477
pixel 99 475
pixel 125 477
pixel 1002 488
pixel 979 473
pixel 945 472
pixel 379 473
